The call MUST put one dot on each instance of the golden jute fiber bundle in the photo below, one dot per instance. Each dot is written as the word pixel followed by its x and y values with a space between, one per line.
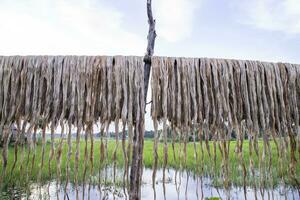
pixel 218 97
pixel 41 92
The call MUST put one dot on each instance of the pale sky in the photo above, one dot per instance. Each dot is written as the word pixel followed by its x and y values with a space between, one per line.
pixel 267 30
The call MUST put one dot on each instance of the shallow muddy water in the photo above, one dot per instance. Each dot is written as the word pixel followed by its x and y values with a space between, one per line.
pixel 177 185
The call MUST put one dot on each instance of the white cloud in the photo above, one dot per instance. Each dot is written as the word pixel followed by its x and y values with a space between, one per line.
pixel 175 18
pixel 273 15
pixel 65 27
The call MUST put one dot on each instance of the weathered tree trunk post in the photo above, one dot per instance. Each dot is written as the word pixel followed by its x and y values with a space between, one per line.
pixel 136 170
pixel 150 47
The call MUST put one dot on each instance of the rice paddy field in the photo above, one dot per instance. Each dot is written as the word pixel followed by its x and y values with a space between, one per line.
pixel 25 171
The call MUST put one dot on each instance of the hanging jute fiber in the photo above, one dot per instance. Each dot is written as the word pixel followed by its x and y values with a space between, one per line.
pixel 256 100
pixel 39 93
pixel 205 99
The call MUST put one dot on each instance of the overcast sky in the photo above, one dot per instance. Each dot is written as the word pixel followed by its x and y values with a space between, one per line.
pixel 267 30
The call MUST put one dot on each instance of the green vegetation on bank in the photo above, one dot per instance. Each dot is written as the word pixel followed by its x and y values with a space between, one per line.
pixel 278 169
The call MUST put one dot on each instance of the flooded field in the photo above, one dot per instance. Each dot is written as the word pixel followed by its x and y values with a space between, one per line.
pixel 177 185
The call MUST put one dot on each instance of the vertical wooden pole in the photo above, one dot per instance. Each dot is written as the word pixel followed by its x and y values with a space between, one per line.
pixel 150 47
pixel 136 170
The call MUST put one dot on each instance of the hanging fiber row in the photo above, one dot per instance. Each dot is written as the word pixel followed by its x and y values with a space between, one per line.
pixel 38 92
pixel 216 97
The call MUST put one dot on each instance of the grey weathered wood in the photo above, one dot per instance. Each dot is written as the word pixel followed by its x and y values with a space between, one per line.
pixel 137 153
pixel 150 47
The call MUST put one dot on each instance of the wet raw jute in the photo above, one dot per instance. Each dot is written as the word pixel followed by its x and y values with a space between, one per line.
pixel 205 98
pixel 40 92
pixel 211 98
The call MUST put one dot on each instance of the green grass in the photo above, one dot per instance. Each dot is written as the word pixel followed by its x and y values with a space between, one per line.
pixel 209 168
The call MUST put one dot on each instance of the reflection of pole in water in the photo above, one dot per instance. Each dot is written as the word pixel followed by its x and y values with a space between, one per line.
pixel 197 185
pixel 76 191
pixel 48 188
pixel 262 192
pixel 245 192
pixel 227 193
pixel 89 191
pixel 202 194
pixel 83 189
pixel 219 191
pixel 154 189
pixel 186 186
pixel 57 192
pixel 164 186
pixel 176 183
pixel 40 190
pixel 255 192
pixel 268 194
pixel 164 189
